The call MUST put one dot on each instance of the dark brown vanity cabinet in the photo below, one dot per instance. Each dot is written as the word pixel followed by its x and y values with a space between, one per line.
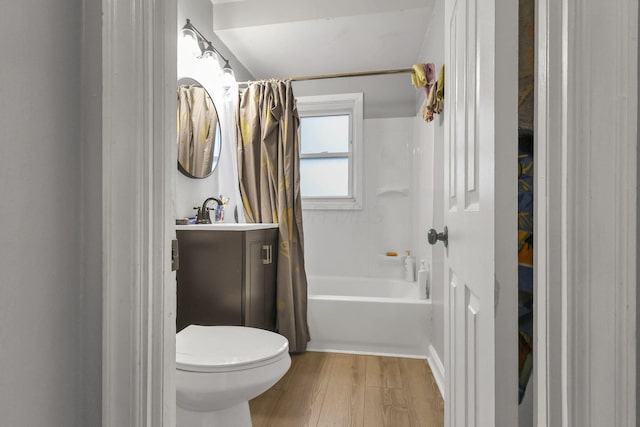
pixel 227 278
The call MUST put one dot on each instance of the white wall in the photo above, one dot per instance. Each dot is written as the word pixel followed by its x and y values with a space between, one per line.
pixel 350 243
pixel 200 12
pixel 192 192
pixel 429 180
pixel 50 268
pixel 428 213
pixel 384 95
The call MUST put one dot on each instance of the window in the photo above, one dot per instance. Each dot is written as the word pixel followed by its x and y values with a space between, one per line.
pixel 331 151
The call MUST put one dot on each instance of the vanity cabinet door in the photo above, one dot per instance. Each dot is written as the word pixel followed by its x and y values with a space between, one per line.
pixel 227 278
pixel 210 278
pixel 260 288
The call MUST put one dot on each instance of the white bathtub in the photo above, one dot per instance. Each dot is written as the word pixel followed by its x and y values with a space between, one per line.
pixel 367 316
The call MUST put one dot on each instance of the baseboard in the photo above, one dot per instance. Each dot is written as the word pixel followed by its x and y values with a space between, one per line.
pixel 437 368
pixel 338 349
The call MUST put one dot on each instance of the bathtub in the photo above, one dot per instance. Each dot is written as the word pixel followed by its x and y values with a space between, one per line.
pixel 367 316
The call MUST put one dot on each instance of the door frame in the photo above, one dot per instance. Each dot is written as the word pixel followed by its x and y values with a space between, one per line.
pixel 576 215
pixel 138 69
pixel 139 160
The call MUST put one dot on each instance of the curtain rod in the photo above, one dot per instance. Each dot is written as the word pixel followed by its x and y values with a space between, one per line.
pixel 337 76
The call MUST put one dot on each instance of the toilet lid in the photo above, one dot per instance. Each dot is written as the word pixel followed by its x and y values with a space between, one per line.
pixel 222 348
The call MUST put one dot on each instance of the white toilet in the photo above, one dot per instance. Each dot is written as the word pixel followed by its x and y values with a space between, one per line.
pixel 220 368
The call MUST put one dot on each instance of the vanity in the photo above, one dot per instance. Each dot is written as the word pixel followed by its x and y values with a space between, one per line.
pixel 227 275
pixel 227 271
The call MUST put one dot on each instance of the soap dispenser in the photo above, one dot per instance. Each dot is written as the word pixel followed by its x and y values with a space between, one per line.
pixel 409 267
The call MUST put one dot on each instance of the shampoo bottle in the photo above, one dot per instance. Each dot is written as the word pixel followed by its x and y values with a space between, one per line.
pixel 423 281
pixel 409 267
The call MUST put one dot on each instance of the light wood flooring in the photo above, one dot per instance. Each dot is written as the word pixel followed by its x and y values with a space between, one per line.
pixel 343 390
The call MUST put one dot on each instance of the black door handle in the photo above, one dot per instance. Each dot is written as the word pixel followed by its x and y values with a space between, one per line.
pixel 433 236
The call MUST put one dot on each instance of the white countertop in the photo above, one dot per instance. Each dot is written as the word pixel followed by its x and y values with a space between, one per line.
pixel 225 226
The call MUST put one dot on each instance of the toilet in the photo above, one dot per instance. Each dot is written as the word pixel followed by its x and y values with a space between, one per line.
pixel 220 368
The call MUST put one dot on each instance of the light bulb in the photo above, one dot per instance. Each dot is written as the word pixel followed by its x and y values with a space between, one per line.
pixel 210 59
pixel 210 53
pixel 228 78
pixel 189 40
pixel 211 56
pixel 190 46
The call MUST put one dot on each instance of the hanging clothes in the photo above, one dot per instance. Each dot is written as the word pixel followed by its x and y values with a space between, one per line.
pixel 435 101
pixel 418 75
pixel 423 75
pixel 525 258
pixel 439 102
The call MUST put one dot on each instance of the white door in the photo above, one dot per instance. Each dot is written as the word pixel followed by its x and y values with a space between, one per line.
pixel 480 204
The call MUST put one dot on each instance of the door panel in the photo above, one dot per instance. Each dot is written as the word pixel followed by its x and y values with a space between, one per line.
pixel 451 310
pixel 471 322
pixel 476 140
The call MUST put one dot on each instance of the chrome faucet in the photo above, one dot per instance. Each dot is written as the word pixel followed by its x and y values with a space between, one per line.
pixel 203 217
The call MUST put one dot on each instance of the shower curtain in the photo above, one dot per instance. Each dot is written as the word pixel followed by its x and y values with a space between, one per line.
pixel 269 173
pixel 228 165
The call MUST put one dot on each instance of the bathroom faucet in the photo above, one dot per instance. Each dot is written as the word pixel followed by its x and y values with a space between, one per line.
pixel 203 216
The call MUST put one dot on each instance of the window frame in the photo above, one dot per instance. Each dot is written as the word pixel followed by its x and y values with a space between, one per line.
pixel 350 104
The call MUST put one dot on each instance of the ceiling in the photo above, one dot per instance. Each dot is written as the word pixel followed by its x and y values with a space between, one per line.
pixel 289 38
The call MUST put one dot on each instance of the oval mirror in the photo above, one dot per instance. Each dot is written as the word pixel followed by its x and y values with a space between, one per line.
pixel 199 136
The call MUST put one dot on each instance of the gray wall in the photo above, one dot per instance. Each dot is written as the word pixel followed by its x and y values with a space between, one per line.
pixel 50 263
pixel 90 292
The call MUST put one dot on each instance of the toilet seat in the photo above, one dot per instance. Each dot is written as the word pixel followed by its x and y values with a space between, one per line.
pixel 227 348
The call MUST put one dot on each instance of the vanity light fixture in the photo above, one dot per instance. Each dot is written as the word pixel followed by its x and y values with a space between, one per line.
pixel 228 77
pixel 208 52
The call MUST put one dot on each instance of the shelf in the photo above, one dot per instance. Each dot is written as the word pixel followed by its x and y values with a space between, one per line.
pixel 401 191
pixel 399 258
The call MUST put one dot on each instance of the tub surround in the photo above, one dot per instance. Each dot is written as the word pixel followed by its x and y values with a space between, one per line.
pixel 368 316
pixel 428 185
pixel 352 305
pixel 349 243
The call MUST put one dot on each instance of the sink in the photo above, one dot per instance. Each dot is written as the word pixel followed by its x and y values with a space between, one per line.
pixel 225 226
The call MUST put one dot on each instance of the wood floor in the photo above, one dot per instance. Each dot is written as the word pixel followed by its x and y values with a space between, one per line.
pixel 341 390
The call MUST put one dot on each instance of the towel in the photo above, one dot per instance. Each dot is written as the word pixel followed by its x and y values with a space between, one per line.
pixel 430 72
pixel 427 109
pixel 435 102
pixel 439 104
pixel 418 76
pixel 423 75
